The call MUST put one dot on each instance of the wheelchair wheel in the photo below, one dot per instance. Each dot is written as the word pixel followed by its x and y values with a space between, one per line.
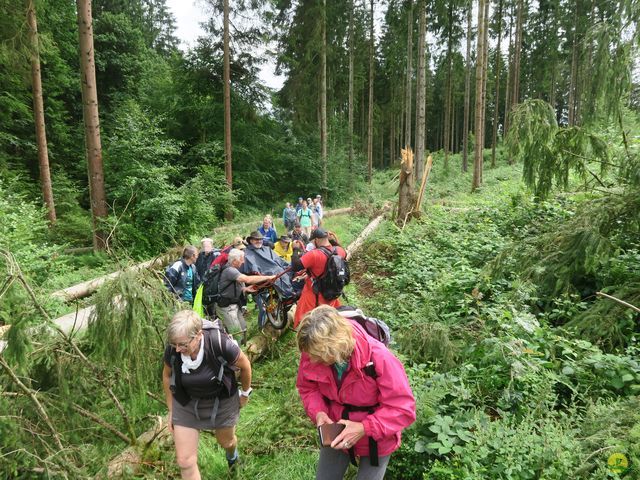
pixel 275 310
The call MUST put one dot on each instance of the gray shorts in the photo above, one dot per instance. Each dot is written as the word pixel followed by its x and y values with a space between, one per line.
pixel 232 318
pixel 227 415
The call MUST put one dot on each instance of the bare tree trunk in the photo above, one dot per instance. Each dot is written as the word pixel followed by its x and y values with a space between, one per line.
pixel 392 132
pixel 370 119
pixel 467 96
pixel 351 75
pixel 496 101
pixel 421 90
pixel 228 165
pixel 507 94
pixel 447 105
pixel 323 99
pixel 38 115
pixel 574 69
pixel 91 123
pixel 479 123
pixel 517 54
pixel 407 131
pixel 485 73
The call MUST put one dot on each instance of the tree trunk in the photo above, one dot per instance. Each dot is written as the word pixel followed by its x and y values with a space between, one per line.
pixel 228 166
pixel 507 93
pixel 485 73
pixel 323 99
pixel 407 131
pixel 496 100
pixel 479 122
pixel 38 114
pixel 517 54
pixel 467 96
pixel 351 75
pixel 370 117
pixel 448 93
pixel 421 90
pixel 574 70
pixel 91 123
pixel 406 188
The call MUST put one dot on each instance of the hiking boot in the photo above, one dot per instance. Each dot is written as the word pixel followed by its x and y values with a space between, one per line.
pixel 232 462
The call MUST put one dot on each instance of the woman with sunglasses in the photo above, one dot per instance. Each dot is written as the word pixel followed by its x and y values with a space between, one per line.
pixel 201 389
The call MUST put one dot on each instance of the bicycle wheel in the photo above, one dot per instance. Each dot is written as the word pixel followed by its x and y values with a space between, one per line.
pixel 276 311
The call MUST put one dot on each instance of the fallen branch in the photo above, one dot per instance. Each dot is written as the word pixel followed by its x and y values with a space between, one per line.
pixel 621 302
pixel 128 462
pixel 34 399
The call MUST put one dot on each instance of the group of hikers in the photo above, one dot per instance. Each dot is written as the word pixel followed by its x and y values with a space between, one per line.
pixel 353 388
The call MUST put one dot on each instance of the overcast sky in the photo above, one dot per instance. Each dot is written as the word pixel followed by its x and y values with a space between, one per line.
pixel 189 14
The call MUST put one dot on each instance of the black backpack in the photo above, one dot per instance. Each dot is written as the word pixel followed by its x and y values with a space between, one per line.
pixel 335 276
pixel 374 327
pixel 211 282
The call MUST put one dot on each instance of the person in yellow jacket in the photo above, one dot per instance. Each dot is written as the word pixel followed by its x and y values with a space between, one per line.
pixel 284 248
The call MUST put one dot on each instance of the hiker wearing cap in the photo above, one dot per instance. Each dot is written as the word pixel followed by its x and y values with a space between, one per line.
pixel 284 248
pixel 232 288
pixel 299 204
pixel 298 235
pixel 206 256
pixel 268 231
pixel 200 387
pixel 347 376
pixel 181 277
pixel 315 263
pixel 304 218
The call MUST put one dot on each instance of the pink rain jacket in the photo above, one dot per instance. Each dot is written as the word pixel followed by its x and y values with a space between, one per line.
pixel 391 391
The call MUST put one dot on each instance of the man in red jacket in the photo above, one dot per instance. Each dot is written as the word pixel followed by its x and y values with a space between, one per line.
pixel 315 262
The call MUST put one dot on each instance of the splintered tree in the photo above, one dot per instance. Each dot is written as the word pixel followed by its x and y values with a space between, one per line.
pixel 406 189
pixel 91 123
pixel 38 114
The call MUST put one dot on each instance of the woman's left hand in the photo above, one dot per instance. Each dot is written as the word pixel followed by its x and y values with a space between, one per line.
pixel 351 434
pixel 243 400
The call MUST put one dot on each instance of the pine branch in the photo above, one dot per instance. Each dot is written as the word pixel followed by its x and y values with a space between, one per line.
pixel 97 374
pixel 621 302
pixel 34 399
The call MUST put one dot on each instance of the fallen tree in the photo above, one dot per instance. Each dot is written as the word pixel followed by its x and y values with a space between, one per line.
pixel 87 288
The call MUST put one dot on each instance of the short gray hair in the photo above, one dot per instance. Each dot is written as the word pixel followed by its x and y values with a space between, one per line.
pixel 185 323
pixel 206 240
pixel 235 254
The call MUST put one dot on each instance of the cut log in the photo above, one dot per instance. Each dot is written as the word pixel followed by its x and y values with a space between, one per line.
pixel 128 462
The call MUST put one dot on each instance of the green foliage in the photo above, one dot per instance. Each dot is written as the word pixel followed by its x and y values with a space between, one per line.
pixel 550 153
pixel 128 325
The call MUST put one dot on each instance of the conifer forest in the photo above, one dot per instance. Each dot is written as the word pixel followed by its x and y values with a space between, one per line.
pixel 479 161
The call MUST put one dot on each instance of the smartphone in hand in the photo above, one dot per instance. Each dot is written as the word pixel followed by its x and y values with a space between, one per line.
pixel 328 433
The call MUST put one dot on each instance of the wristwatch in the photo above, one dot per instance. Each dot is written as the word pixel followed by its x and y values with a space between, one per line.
pixel 245 393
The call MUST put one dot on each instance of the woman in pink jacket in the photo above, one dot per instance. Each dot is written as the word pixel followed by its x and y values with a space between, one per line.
pixel 348 377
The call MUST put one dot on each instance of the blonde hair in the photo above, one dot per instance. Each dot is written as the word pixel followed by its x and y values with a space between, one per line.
pixel 327 335
pixel 185 323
